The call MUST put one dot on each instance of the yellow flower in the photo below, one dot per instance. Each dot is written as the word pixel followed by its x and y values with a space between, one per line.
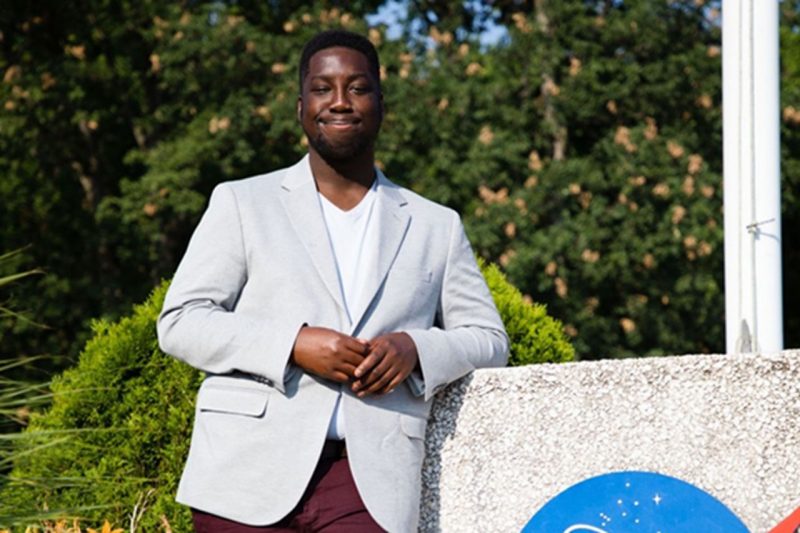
pixel 574 66
pixel 486 135
pixel 78 51
pixel 375 36
pixel 550 88
pixel 13 72
pixel 534 161
pixel 521 22
pixel 473 69
pixel 561 287
pixel 678 212
pixel 688 186
pixel 106 529
pixel 590 256
pixel 661 190
pixel 623 137
pixel 675 150
pixel 218 124
pixel 705 101
pixel 651 131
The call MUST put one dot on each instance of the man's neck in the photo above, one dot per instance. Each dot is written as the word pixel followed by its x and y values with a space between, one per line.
pixel 343 183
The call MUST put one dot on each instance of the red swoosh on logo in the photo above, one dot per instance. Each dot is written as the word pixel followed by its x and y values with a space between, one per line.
pixel 790 525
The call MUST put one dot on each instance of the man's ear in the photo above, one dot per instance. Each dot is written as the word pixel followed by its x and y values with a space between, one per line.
pixel 300 109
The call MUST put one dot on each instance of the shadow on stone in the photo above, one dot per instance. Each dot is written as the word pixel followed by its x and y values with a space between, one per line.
pixel 441 427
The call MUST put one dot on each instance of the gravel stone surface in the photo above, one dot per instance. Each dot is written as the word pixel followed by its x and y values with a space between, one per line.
pixel 502 442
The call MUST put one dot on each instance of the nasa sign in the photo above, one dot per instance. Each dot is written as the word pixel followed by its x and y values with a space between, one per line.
pixel 707 443
pixel 634 502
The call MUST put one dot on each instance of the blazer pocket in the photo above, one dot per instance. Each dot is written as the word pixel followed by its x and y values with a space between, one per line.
pixel 413 426
pixel 232 400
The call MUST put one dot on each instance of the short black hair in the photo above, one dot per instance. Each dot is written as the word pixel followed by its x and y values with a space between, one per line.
pixel 347 39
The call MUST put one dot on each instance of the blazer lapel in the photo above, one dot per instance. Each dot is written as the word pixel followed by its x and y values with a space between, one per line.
pixel 391 223
pixel 301 201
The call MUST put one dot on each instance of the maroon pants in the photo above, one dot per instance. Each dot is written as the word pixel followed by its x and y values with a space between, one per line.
pixel 331 504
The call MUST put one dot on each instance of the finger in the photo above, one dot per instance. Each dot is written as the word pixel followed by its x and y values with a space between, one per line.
pixel 370 361
pixel 376 387
pixel 347 368
pixel 339 376
pixel 381 382
pixel 361 383
pixel 386 363
pixel 394 383
pixel 357 346
pixel 349 358
pixel 372 375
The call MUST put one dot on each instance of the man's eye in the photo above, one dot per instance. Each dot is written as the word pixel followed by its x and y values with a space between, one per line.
pixel 319 89
pixel 360 89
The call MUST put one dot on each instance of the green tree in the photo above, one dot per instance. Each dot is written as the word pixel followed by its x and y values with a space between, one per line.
pixel 583 152
pixel 117 120
pixel 790 167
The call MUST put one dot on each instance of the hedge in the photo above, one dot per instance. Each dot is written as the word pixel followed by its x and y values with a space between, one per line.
pixel 113 443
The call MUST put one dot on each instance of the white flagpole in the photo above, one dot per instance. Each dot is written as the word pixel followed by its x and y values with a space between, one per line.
pixel 751 165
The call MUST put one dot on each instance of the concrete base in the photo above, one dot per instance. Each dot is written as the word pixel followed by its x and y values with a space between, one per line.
pixel 503 442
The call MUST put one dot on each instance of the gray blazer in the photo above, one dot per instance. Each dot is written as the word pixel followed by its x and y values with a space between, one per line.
pixel 258 267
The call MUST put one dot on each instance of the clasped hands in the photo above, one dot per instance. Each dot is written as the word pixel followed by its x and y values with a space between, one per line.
pixel 374 366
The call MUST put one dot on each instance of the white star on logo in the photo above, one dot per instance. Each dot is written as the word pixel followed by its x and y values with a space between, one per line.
pixel 657 499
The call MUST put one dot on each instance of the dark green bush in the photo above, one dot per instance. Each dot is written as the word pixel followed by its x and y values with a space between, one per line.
pixel 117 434
pixel 535 336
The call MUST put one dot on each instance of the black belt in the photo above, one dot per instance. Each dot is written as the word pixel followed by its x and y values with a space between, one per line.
pixel 333 449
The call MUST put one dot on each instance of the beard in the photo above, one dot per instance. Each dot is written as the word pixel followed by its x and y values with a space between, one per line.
pixel 342 150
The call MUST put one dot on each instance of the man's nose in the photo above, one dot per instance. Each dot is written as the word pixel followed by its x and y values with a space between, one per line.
pixel 341 100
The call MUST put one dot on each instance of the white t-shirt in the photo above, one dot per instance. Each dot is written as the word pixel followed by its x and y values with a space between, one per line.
pixel 354 246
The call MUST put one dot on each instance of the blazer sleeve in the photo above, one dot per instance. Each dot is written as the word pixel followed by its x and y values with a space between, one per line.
pixel 199 323
pixel 471 335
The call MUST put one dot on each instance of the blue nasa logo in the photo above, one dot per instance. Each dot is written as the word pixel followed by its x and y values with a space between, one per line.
pixel 634 502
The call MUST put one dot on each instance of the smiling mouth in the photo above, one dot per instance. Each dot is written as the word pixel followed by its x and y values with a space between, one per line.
pixel 339 123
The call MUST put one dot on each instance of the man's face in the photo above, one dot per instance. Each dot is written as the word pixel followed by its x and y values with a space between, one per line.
pixel 340 107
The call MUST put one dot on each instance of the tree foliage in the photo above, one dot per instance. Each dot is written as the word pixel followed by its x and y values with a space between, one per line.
pixel 583 150
pixel 578 152
pixel 790 167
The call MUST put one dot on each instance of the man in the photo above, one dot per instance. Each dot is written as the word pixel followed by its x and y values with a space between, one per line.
pixel 327 306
